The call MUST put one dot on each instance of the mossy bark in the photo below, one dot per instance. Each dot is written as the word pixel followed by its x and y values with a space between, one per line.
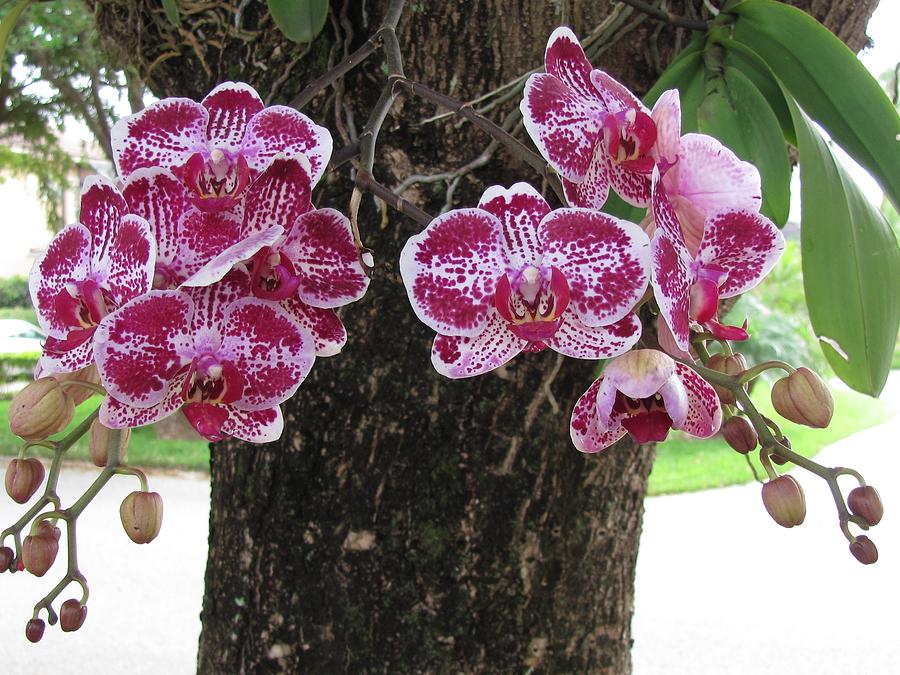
pixel 405 522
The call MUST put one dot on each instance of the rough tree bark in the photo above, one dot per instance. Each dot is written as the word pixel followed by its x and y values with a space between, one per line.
pixel 406 523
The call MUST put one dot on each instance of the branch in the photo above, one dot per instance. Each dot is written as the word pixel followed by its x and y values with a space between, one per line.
pixel 662 15
pixel 365 181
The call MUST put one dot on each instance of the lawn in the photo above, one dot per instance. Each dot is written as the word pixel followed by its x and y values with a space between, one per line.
pixel 145 450
pixel 685 464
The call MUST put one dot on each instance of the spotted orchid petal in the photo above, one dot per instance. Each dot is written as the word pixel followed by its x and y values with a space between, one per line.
pixel 282 130
pixel 254 426
pixel 130 259
pixel 564 58
pixel 593 191
pixel 466 356
pixel 564 124
pixel 666 114
pixel 66 356
pixel 520 210
pixel 587 435
pixel 102 207
pixel 575 339
pixel 118 415
pixel 279 196
pixel 164 134
pixel 231 106
pixel 243 249
pixel 614 94
pixel 451 269
pixel 67 257
pixel 326 259
pixel 704 414
pixel 326 328
pixel 745 244
pixel 632 186
pixel 604 260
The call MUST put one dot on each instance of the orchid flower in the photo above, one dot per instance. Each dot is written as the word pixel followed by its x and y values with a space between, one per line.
pixel 226 358
pixel 644 393
pixel 737 250
pixel 218 146
pixel 89 269
pixel 512 276
pixel 593 131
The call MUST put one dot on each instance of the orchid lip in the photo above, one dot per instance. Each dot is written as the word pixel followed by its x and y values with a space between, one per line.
pixel 628 136
pixel 645 419
pixel 211 380
pixel 217 179
pixel 82 304
pixel 273 275
pixel 533 301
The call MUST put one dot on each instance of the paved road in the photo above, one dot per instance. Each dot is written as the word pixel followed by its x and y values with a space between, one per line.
pixel 721 589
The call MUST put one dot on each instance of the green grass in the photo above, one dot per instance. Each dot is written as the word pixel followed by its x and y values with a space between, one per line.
pixel 23 313
pixel 145 450
pixel 685 464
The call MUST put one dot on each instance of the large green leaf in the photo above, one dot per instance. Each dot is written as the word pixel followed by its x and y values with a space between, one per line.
pixel 851 266
pixel 735 112
pixel 686 74
pixel 299 20
pixel 172 14
pixel 829 82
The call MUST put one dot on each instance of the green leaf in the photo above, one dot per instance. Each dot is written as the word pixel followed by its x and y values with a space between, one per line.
pixel 172 13
pixel 299 20
pixel 829 82
pixel 9 23
pixel 851 266
pixel 686 74
pixel 737 114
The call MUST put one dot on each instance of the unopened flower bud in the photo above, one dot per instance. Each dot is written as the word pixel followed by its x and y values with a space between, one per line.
pixel 72 615
pixel 39 550
pixel 778 459
pixel 99 442
pixel 804 398
pixel 784 500
pixel 865 502
pixel 23 478
pixel 729 364
pixel 864 550
pixel 141 514
pixel 40 410
pixel 740 434
pixel 76 392
pixel 6 558
pixel 34 630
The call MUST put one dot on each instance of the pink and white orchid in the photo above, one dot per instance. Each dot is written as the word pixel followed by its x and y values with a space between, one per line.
pixel 512 276
pixel 89 269
pixel 644 393
pixel 737 250
pixel 593 131
pixel 224 356
pixel 218 146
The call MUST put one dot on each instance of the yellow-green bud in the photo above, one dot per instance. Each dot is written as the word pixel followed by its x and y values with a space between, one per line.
pixel 804 398
pixel 141 514
pixel 23 478
pixel 40 410
pixel 99 443
pixel 784 500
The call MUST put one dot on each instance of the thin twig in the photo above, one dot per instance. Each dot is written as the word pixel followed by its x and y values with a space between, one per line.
pixel 662 15
pixel 365 181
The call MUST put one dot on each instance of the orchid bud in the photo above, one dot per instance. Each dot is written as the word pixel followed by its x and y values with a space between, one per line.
pixel 141 514
pixel 864 550
pixel 6 558
pixel 34 630
pixel 40 410
pixel 784 500
pixel 76 392
pixel 865 502
pixel 72 615
pixel 23 478
pixel 39 551
pixel 740 434
pixel 99 443
pixel 804 398
pixel 729 364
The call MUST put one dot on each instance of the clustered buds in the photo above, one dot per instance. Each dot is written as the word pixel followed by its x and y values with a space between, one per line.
pixel 100 439
pixel 39 550
pixel 40 410
pixel 34 630
pixel 728 364
pixel 740 434
pixel 141 514
pixel 23 478
pixel 6 558
pixel 865 502
pixel 784 500
pixel 864 550
pixel 72 615
pixel 804 398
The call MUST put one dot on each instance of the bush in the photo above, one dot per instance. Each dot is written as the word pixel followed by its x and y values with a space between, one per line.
pixel 14 292
pixel 17 368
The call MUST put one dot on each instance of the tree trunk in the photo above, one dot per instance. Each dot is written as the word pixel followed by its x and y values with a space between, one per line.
pixel 405 522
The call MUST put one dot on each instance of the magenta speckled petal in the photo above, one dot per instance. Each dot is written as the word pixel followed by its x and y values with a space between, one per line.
pixel 140 347
pixel 564 125
pixel 632 186
pixel 67 258
pixel 324 325
pixel 605 262
pixel 68 361
pixel 746 244
pixel 579 341
pixel 279 196
pixel 326 259
pixel 102 207
pixel 282 130
pixel 219 265
pixel 231 105
pixel 131 257
pixel 666 114
pixel 592 192
pixel 273 353
pixel 704 415
pixel 117 415
pixel 565 59
pixel 254 426
pixel 614 94
pixel 586 433
pixel 519 210
pixel 671 286
pixel 640 373
pixel 165 134
pixel 457 357
pixel 450 271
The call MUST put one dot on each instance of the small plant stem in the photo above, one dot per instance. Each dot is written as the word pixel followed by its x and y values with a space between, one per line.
pixel 365 181
pixel 662 15
pixel 137 473
pixel 96 388
pixel 760 368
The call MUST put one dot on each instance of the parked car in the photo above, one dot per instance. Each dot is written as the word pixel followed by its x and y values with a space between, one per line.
pixel 20 337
